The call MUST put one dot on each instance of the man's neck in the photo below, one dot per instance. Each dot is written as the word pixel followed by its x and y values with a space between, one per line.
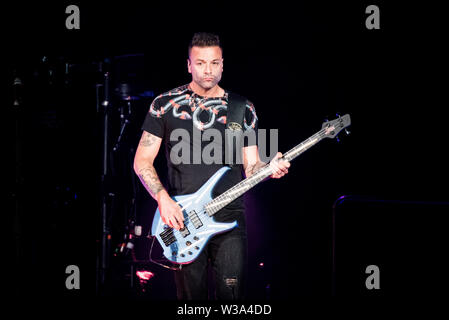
pixel 216 91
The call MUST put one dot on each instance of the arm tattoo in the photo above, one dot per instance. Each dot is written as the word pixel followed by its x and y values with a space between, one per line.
pixel 150 180
pixel 147 139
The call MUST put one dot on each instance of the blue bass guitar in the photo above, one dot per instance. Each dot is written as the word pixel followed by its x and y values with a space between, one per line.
pixel 184 245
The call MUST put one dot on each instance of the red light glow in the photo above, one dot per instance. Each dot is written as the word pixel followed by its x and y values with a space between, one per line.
pixel 145 275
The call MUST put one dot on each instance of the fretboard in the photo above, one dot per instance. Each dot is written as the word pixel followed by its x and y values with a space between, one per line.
pixel 240 188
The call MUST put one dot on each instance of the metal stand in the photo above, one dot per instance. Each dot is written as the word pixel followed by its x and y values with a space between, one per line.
pixel 117 243
pixel 18 183
pixel 105 230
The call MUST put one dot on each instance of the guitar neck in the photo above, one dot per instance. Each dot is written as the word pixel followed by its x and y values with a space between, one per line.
pixel 243 186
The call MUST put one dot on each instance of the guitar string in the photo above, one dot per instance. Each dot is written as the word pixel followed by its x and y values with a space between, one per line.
pixel 221 197
pixel 203 213
pixel 319 135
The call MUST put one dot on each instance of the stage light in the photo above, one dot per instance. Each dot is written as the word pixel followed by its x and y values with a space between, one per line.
pixel 144 275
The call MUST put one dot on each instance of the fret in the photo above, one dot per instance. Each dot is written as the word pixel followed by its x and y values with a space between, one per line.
pixel 300 148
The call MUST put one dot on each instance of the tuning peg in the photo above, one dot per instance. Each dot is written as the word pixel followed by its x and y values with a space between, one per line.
pixel 338 115
pixel 347 131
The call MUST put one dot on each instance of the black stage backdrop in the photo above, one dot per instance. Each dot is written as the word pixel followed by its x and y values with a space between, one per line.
pixel 300 63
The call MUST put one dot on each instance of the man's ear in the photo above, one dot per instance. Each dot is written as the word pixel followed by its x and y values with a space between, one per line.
pixel 188 66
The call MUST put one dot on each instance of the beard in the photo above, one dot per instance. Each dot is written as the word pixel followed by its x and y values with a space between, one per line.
pixel 208 84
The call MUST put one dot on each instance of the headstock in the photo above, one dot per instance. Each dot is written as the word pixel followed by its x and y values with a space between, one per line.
pixel 333 128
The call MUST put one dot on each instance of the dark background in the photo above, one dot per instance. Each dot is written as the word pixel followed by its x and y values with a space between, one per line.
pixel 299 64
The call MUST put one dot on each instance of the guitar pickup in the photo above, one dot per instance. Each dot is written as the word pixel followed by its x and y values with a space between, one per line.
pixel 184 231
pixel 196 221
pixel 167 236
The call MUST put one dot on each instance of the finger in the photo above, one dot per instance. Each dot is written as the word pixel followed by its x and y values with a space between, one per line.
pixel 175 223
pixel 180 217
pixel 276 168
pixel 284 165
pixel 277 175
pixel 281 168
pixel 180 222
pixel 281 174
pixel 178 212
pixel 171 222
pixel 168 223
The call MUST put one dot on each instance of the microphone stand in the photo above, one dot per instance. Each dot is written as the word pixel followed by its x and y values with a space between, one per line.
pixel 123 123
pixel 17 192
pixel 105 194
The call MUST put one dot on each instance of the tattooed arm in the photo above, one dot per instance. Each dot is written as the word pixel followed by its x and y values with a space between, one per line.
pixel 143 163
pixel 146 152
pixel 252 163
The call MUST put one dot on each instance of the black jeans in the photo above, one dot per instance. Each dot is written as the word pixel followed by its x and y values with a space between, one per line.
pixel 227 254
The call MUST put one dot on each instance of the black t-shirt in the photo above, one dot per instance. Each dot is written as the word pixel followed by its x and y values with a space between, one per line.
pixel 196 116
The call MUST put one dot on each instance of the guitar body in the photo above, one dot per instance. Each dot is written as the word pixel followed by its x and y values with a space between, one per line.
pixel 183 246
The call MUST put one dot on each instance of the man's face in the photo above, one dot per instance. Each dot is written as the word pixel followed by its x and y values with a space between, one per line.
pixel 206 66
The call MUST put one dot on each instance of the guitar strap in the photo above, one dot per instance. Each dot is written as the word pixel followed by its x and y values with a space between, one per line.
pixel 234 129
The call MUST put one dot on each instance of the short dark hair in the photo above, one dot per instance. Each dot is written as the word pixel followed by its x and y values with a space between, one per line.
pixel 204 39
